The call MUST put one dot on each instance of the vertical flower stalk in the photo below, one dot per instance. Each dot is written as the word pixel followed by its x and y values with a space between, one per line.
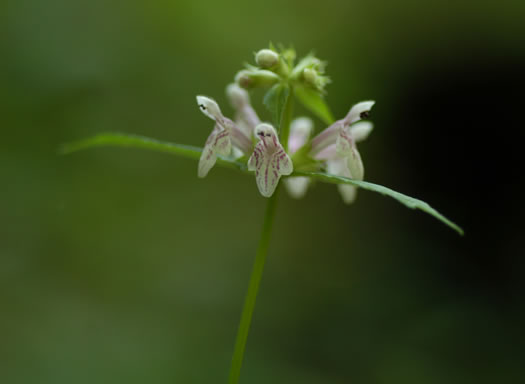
pixel 253 289
pixel 258 267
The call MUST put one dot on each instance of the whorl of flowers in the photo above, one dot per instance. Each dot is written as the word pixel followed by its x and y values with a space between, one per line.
pixel 272 151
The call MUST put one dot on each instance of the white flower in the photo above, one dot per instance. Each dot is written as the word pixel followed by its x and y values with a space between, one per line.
pixel 269 160
pixel 224 134
pixel 336 145
pixel 300 131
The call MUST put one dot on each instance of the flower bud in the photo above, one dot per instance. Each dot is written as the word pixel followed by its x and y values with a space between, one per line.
pixel 313 77
pixel 266 58
pixel 243 79
pixel 310 76
pixel 309 61
pixel 251 78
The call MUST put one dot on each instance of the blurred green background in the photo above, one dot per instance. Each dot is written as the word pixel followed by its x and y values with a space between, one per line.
pixel 120 266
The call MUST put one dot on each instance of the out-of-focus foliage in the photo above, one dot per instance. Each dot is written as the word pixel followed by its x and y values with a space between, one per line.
pixel 121 266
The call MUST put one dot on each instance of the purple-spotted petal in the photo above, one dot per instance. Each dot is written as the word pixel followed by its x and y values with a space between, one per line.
pixel 283 162
pixel 238 136
pixel 218 143
pixel 269 160
pixel 267 176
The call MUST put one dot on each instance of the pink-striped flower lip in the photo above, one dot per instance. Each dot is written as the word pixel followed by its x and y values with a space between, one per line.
pixel 269 160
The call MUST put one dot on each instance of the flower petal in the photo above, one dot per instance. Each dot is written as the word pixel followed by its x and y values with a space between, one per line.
pixel 282 161
pixel 267 178
pixel 246 118
pixel 359 111
pixel 345 146
pixel 223 144
pixel 254 160
pixel 238 96
pixel 297 186
pixel 327 137
pixel 355 164
pixel 344 142
pixel 243 126
pixel 328 153
pixel 208 156
pixel 361 130
pixel 218 143
pixel 300 130
pixel 269 160
pixel 210 108
pixel 237 153
pixel 348 193
pixel 266 174
pixel 338 167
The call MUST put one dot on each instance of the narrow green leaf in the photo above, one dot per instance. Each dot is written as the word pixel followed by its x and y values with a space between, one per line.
pixel 313 101
pixel 191 152
pixel 275 101
pixel 408 201
pixel 135 141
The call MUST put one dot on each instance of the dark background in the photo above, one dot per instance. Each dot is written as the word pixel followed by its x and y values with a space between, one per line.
pixel 119 265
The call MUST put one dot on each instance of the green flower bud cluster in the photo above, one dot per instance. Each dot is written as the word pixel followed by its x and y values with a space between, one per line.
pixel 278 66
pixel 310 70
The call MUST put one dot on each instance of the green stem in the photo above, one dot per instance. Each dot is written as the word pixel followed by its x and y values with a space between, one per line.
pixel 253 288
pixel 287 119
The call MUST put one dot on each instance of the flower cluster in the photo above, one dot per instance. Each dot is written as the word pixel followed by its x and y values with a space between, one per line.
pixel 288 148
pixel 246 138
